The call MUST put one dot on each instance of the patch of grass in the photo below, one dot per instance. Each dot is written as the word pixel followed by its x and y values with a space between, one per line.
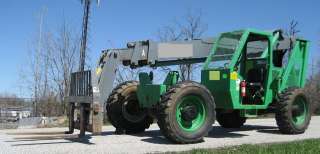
pixel 311 146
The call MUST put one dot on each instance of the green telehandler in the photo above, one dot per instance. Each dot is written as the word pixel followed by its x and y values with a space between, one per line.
pixel 245 74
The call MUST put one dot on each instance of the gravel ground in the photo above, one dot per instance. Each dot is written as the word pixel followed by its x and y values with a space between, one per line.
pixel 52 140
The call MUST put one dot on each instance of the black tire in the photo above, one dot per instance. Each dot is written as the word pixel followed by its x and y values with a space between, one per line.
pixel 123 109
pixel 167 119
pixel 230 119
pixel 286 111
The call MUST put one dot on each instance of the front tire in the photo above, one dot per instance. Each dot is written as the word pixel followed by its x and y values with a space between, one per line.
pixel 187 112
pixel 124 112
pixel 293 112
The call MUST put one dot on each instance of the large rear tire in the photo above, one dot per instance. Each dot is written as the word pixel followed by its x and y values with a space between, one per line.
pixel 230 119
pixel 293 111
pixel 123 109
pixel 186 113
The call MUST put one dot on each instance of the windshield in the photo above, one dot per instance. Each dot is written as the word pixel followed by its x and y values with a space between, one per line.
pixel 225 48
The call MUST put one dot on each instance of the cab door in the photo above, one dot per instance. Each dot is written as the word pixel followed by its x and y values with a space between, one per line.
pixel 254 69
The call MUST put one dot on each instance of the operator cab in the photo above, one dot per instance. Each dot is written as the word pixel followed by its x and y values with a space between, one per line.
pixel 237 57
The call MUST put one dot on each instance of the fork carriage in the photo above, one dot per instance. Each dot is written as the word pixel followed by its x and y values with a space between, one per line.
pixel 84 113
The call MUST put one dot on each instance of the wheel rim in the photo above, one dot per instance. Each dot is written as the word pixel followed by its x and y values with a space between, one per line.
pixel 299 111
pixel 197 119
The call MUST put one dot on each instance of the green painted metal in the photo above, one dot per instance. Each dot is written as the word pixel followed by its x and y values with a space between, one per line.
pixel 171 79
pixel 148 93
pixel 220 89
pixel 198 121
pixel 302 110
pixel 294 75
pixel 144 79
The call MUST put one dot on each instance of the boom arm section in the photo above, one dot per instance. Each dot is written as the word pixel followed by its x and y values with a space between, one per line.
pixel 155 54
pixel 149 53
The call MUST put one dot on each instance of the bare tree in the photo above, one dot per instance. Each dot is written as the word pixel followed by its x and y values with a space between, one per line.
pixel 293 30
pixel 62 54
pixel 190 27
pixel 51 62
pixel 35 75
pixel 8 100
pixel 312 89
pixel 313 85
pixel 125 73
pixel 49 107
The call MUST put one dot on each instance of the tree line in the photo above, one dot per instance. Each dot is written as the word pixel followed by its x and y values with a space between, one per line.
pixel 52 56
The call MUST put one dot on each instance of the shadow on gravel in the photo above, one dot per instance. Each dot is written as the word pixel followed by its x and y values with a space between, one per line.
pixel 48 138
pixel 83 140
pixel 30 144
pixel 106 133
pixel 36 133
pixel 220 132
pixel 256 127
pixel 263 129
pixel 156 137
pixel 29 138
pixel 42 138
pixel 270 131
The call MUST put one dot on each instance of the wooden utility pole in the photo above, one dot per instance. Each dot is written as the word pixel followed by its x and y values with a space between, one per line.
pixel 85 22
